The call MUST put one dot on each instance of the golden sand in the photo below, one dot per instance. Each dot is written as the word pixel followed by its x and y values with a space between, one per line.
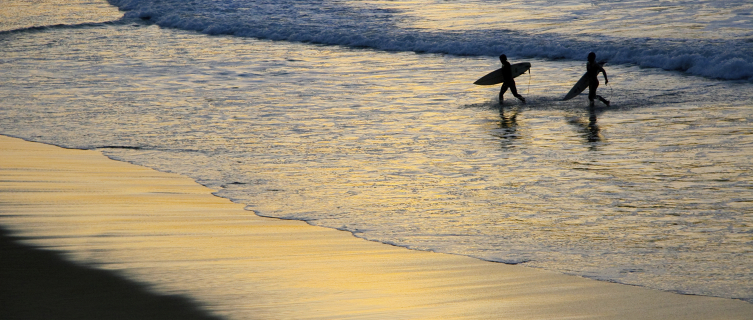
pixel 172 233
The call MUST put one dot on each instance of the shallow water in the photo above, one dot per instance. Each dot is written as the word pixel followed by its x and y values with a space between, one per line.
pixel 401 148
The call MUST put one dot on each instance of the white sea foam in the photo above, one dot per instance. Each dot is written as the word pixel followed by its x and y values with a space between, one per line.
pixel 558 35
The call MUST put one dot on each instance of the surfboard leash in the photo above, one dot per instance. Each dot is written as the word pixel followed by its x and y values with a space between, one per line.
pixel 611 93
pixel 529 82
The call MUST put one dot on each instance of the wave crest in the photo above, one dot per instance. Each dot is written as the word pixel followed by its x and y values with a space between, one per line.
pixel 336 24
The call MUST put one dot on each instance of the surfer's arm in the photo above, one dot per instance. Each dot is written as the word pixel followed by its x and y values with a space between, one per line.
pixel 606 80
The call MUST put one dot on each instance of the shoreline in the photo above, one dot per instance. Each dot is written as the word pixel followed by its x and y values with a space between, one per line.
pixel 167 230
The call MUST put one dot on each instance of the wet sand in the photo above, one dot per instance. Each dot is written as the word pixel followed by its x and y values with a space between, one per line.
pixel 40 284
pixel 167 231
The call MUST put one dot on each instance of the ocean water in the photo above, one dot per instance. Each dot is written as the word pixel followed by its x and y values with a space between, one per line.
pixel 362 116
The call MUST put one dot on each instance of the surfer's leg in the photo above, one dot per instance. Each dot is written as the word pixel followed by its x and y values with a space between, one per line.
pixel 502 92
pixel 592 92
pixel 605 101
pixel 514 91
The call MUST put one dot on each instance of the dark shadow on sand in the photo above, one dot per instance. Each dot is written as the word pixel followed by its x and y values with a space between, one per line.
pixel 40 284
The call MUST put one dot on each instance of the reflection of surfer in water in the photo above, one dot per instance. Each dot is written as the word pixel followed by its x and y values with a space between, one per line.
pixel 592 71
pixel 508 81
pixel 589 130
pixel 592 128
pixel 508 123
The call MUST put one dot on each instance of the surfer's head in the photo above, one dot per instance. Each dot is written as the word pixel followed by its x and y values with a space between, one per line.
pixel 591 56
pixel 503 58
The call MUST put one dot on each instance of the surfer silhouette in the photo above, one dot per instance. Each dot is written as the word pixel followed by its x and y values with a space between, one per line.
pixel 509 81
pixel 592 71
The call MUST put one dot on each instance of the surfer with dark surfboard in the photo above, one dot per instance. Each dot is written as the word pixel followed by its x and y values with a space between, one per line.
pixel 592 71
pixel 508 81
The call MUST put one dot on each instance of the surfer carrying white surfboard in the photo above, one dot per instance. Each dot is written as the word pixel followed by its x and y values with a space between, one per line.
pixel 508 81
pixel 592 71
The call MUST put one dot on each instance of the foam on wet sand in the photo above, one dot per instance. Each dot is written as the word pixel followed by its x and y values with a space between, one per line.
pixel 168 232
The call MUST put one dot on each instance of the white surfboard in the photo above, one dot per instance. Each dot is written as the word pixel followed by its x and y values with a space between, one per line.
pixel 495 76
pixel 579 86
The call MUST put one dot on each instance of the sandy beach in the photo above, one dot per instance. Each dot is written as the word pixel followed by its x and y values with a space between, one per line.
pixel 40 284
pixel 150 226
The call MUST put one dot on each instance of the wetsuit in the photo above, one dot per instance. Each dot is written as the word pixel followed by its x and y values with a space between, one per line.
pixel 509 82
pixel 592 71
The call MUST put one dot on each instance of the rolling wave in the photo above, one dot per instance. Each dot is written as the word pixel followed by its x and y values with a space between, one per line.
pixel 334 23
